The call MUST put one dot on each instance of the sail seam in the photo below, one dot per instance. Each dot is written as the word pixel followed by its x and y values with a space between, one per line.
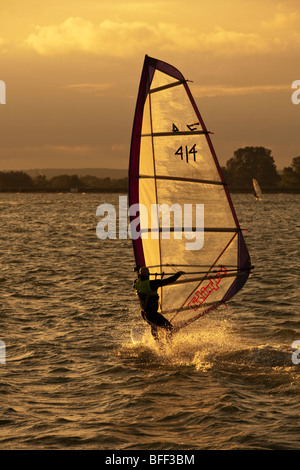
pixel 169 85
pixel 177 178
pixel 197 266
pixel 166 134
pixel 187 229
pixel 197 279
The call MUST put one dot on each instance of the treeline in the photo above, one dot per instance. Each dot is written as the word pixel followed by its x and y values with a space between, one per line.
pixel 22 182
pixel 247 163
pixel 257 162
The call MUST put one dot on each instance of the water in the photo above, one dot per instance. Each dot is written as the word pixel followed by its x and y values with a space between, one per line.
pixel 73 379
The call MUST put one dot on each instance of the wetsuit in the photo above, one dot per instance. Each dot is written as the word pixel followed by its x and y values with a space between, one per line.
pixel 146 291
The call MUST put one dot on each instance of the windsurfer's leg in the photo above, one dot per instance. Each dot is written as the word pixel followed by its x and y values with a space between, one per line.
pixel 160 321
pixel 156 321
pixel 143 313
pixel 152 324
pixel 154 332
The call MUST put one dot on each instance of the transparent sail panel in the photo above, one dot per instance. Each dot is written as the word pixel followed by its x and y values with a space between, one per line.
pixel 161 79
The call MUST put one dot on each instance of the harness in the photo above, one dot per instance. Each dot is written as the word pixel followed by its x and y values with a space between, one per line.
pixel 147 297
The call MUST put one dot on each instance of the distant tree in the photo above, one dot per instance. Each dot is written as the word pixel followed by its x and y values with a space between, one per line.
pixel 90 181
pixel 252 162
pixel 95 182
pixel 65 182
pixel 296 165
pixel 226 175
pixel 290 177
pixel 41 182
pixel 15 180
pixel 121 183
pixel 106 182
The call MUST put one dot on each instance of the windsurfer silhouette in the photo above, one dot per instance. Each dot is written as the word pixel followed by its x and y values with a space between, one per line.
pixel 146 291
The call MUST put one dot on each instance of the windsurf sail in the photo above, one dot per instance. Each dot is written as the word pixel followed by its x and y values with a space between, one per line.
pixel 172 161
pixel 257 190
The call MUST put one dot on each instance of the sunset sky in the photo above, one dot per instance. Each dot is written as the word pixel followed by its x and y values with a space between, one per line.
pixel 72 70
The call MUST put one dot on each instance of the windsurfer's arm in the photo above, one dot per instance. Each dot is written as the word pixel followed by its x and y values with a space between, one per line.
pixel 154 285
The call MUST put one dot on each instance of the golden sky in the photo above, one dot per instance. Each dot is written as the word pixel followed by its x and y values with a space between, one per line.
pixel 72 70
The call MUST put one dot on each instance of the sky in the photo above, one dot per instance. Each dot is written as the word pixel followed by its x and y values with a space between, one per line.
pixel 72 69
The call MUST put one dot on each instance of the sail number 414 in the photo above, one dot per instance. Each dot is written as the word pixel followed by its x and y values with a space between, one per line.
pixel 185 152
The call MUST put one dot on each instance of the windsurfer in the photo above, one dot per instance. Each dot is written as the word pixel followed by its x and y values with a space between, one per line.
pixel 146 291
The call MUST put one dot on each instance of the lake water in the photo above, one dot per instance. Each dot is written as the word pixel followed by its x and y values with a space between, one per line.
pixel 72 377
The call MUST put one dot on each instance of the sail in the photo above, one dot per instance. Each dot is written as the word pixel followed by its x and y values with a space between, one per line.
pixel 257 190
pixel 173 162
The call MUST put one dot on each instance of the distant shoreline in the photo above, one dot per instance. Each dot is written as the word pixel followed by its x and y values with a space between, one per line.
pixel 265 190
pixel 124 191
pixel 108 181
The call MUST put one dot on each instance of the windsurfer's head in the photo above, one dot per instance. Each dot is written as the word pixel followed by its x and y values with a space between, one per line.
pixel 144 272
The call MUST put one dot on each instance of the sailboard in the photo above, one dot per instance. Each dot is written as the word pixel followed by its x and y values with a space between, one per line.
pixel 172 161
pixel 257 190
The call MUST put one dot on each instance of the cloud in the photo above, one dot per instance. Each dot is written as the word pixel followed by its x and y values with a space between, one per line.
pixel 284 18
pixel 107 38
pixel 123 39
pixel 72 34
pixel 282 28
pixel 119 147
pixel 96 88
pixel 221 90
pixel 231 42
pixel 81 149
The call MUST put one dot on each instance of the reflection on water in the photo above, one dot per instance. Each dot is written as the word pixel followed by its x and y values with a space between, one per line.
pixel 82 370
